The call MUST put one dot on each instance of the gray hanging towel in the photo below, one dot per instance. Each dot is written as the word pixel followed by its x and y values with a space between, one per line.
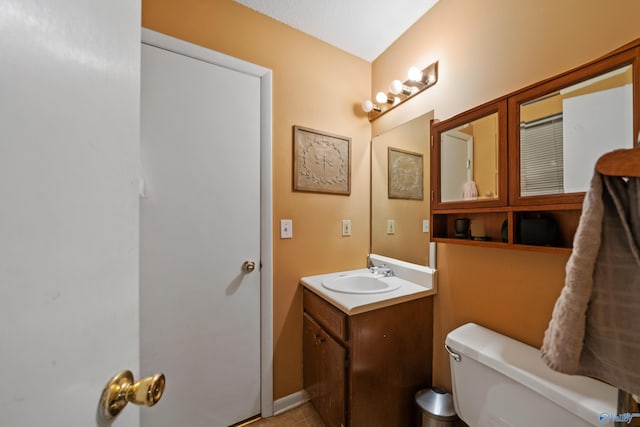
pixel 595 326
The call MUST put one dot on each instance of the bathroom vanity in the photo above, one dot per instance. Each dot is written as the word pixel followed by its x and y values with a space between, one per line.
pixel 366 355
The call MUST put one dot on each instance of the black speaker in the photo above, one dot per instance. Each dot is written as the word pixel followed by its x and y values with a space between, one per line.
pixel 538 231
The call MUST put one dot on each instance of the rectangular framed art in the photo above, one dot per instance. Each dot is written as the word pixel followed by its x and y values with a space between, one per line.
pixel 405 174
pixel 321 162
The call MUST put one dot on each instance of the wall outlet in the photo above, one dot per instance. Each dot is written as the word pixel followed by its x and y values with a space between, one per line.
pixel 425 225
pixel 286 229
pixel 391 226
pixel 346 227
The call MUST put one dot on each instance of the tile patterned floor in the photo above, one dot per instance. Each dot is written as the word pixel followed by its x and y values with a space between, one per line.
pixel 302 416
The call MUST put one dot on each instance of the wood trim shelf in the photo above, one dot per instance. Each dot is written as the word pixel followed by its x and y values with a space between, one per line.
pixel 471 242
pixel 501 245
pixel 524 208
pixel 490 221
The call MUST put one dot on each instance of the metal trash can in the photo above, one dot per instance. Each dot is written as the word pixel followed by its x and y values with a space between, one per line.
pixel 436 408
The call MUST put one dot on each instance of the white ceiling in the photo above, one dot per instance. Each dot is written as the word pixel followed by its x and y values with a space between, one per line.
pixel 364 28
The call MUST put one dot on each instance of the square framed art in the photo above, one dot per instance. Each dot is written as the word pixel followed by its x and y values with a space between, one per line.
pixel 406 177
pixel 321 162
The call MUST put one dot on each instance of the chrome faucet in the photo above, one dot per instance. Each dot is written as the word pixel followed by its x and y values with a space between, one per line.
pixel 383 270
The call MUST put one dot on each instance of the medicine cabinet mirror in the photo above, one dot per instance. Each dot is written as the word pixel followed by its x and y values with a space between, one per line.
pixel 558 130
pixel 469 158
pixel 554 133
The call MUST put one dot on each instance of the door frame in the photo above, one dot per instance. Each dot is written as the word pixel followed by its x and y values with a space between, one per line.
pixel 468 141
pixel 182 47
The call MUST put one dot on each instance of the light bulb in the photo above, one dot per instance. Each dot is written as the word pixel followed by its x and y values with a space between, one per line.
pixel 414 74
pixel 367 106
pixel 396 87
pixel 382 97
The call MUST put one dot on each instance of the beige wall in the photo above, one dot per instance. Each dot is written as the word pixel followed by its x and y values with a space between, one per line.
pixel 316 86
pixel 485 50
pixel 485 155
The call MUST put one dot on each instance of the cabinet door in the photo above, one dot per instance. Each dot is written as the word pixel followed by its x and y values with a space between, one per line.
pixel 311 359
pixel 324 364
pixel 333 387
pixel 391 355
pixel 469 159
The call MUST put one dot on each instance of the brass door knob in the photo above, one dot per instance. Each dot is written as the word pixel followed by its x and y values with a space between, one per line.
pixel 248 266
pixel 121 390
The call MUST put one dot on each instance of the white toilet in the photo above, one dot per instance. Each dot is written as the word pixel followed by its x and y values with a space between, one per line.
pixel 498 381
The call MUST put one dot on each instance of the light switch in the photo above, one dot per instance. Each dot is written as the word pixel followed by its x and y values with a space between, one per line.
pixel 286 229
pixel 391 226
pixel 425 225
pixel 346 227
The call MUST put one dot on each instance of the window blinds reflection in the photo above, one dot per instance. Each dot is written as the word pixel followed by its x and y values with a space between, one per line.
pixel 541 157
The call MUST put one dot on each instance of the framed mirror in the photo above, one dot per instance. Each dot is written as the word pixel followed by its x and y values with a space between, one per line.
pixel 560 128
pixel 399 191
pixel 469 159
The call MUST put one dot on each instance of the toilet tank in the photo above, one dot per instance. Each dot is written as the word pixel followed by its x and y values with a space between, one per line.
pixel 499 381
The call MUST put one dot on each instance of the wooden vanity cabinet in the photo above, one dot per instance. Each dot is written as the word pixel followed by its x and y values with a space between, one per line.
pixel 364 369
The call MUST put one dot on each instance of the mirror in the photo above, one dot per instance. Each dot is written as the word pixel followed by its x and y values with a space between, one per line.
pixel 461 149
pixel 399 192
pixel 566 125
pixel 468 164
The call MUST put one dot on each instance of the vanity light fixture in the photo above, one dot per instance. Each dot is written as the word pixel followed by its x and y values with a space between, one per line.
pixel 383 98
pixel 417 81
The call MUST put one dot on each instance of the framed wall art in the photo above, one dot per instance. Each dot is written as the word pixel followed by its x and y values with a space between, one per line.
pixel 321 162
pixel 405 174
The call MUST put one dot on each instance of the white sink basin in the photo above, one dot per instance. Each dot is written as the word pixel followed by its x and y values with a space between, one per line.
pixel 361 284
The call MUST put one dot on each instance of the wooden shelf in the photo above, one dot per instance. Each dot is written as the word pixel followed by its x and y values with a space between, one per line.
pixel 470 242
pixel 501 245
pixel 489 222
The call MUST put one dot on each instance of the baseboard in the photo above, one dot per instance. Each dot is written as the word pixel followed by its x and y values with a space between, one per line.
pixel 289 402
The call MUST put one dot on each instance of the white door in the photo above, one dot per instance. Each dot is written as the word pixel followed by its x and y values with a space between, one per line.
pixel 457 165
pixel 199 224
pixel 69 114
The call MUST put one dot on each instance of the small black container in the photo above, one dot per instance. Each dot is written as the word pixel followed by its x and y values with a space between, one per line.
pixel 462 228
pixel 538 231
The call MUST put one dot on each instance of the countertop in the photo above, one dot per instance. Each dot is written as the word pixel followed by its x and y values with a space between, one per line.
pixel 359 303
